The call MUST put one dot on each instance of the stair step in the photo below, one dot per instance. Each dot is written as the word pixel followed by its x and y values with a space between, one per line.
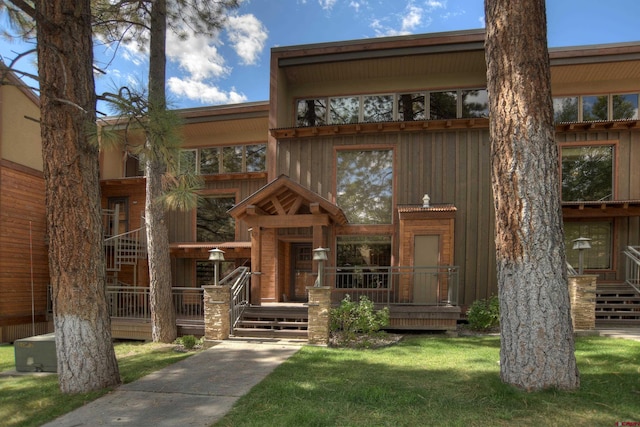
pixel 269 333
pixel 272 324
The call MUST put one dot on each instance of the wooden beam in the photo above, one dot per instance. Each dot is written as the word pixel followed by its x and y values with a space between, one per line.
pixel 276 203
pixel 288 221
pixel 255 210
pixel 314 208
pixel 295 206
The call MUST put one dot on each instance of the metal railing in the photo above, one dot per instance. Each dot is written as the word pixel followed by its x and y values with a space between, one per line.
pixel 435 286
pixel 238 280
pixel 125 249
pixel 633 267
pixel 132 302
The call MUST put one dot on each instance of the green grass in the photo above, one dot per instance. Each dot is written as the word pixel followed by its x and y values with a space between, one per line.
pixel 439 381
pixel 31 400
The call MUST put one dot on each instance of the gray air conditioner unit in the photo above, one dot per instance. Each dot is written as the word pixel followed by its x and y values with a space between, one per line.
pixel 36 354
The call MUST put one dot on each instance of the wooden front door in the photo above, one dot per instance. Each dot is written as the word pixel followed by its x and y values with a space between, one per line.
pixel 301 271
pixel 426 251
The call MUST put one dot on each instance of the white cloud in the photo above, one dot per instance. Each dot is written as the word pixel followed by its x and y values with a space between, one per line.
pixel 434 4
pixel 203 92
pixel 355 5
pixel 247 35
pixel 198 55
pixel 327 4
pixel 411 20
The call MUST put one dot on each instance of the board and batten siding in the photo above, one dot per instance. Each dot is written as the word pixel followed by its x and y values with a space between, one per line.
pixel 627 181
pixel 450 166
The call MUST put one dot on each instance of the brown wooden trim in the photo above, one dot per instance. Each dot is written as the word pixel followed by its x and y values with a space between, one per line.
pixel 386 127
pixel 21 168
pixel 20 320
pixel 287 221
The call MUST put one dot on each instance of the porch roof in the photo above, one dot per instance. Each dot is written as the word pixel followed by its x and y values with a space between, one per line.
pixel 296 205
pixel 604 208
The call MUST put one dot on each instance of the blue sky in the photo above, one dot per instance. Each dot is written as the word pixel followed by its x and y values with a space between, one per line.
pixel 234 66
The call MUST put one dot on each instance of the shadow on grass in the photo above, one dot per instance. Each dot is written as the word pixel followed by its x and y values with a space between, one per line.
pixel 435 381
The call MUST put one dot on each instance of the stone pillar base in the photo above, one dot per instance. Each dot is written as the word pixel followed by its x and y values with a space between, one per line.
pixel 217 302
pixel 582 294
pixel 319 308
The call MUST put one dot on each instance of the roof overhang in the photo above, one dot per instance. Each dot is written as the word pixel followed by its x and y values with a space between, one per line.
pixel 600 209
pixel 284 203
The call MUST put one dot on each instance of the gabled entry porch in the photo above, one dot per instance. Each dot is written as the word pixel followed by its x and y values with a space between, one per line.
pixel 286 221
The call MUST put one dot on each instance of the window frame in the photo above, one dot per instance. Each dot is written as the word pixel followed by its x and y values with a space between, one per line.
pixel 613 259
pixel 614 166
pixel 220 159
pixel 610 106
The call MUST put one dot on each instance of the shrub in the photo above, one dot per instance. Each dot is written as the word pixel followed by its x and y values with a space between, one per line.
pixel 188 341
pixel 352 318
pixel 484 314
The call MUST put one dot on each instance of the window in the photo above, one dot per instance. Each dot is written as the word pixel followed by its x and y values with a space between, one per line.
pixel 599 257
pixel 232 159
pixel 213 223
pixel 311 112
pixel 565 109
pixel 377 108
pixel 625 106
pixel 363 254
pixel 411 106
pixel 344 110
pixel 475 103
pixel 443 105
pixel 205 271
pixel 209 161
pixel 364 185
pixel 595 107
pixel 587 173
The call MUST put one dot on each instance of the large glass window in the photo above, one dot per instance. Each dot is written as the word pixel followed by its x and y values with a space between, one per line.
pixel 443 105
pixel 475 103
pixel 256 156
pixel 587 173
pixel 625 106
pixel 213 223
pixel 362 255
pixel 311 112
pixel 188 161
pixel 364 185
pixel 565 109
pixel 595 107
pixel 233 159
pixel 599 257
pixel 411 106
pixel 377 108
pixel 344 110
pixel 209 160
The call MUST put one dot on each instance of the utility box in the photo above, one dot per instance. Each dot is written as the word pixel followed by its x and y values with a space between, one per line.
pixel 36 354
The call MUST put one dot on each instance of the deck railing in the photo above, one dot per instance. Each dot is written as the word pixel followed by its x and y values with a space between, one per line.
pixel 633 267
pixel 435 286
pixel 238 280
pixel 132 302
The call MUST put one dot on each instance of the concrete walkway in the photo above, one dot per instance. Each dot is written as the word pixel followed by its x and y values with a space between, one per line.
pixel 197 391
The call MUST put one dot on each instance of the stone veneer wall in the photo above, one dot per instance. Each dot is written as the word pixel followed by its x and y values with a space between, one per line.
pixel 319 308
pixel 582 294
pixel 217 300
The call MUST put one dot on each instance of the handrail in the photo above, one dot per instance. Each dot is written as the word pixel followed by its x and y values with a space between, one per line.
pixel 633 267
pixel 238 280
pixel 125 248
pixel 390 285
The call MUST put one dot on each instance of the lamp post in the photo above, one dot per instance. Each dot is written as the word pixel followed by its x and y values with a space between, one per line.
pixel 217 256
pixel 320 255
pixel 580 244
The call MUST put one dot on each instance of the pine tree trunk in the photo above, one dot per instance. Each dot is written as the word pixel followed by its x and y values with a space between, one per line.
pixel 163 320
pixel 537 344
pixel 86 358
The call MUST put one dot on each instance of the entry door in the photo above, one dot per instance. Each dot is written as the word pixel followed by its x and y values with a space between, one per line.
pixel 426 253
pixel 301 270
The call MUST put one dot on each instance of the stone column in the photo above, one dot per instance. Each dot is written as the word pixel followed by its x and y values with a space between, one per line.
pixel 319 307
pixel 582 294
pixel 217 302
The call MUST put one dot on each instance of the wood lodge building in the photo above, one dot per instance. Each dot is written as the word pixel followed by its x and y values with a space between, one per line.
pixel 379 150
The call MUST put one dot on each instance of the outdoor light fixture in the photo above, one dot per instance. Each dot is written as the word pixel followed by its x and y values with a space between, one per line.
pixel 320 255
pixel 425 201
pixel 217 256
pixel 580 244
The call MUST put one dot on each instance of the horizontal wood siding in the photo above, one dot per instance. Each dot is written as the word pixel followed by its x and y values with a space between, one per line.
pixel 23 248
